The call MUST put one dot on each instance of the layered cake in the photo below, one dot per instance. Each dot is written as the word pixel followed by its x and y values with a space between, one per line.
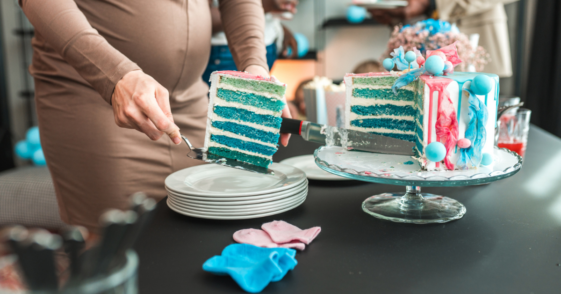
pixel 244 117
pixel 450 117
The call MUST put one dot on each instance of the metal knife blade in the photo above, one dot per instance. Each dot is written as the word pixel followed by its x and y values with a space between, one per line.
pixel 355 140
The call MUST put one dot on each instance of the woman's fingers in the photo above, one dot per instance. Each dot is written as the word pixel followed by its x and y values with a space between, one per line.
pixel 141 123
pixel 149 106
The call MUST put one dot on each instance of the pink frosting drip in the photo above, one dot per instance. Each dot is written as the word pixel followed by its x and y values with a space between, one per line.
pixel 451 53
pixel 446 120
pixel 244 75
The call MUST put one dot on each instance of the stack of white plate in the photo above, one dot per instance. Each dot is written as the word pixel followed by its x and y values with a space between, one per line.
pixel 216 192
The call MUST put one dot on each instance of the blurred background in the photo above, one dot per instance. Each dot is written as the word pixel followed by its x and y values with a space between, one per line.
pixel 335 46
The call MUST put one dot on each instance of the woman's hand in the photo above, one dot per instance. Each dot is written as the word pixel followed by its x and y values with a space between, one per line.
pixel 141 103
pixel 280 5
pixel 258 70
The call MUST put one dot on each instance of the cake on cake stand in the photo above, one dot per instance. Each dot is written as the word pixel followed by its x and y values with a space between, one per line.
pixel 412 206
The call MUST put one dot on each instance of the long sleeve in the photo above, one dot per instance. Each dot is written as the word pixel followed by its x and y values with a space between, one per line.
pixel 454 9
pixel 244 23
pixel 64 27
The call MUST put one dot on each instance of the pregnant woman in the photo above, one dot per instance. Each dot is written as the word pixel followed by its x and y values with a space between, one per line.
pixel 102 68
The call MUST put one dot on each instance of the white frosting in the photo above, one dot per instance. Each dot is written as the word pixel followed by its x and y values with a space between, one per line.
pixel 221 102
pixel 249 124
pixel 265 94
pixel 355 116
pixel 216 131
pixel 214 144
pixel 381 130
pixel 370 101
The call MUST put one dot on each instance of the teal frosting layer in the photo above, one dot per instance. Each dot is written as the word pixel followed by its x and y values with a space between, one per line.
pixel 258 101
pixel 246 131
pixel 243 145
pixel 233 154
pixel 386 123
pixel 384 94
pixel 240 114
pixel 385 109
pixel 405 137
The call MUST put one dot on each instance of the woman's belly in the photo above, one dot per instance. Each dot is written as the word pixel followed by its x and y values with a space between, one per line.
pixel 169 40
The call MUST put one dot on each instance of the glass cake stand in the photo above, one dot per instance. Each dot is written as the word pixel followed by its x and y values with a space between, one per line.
pixel 412 206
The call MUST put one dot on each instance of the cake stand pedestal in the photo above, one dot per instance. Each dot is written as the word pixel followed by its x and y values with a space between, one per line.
pixel 412 206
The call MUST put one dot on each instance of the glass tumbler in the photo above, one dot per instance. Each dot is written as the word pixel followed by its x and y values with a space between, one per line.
pixel 513 130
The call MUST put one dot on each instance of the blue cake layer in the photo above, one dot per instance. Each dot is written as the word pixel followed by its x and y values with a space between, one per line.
pixel 405 137
pixel 250 99
pixel 386 123
pixel 384 94
pixel 384 109
pixel 243 145
pixel 246 131
pixel 233 154
pixel 247 116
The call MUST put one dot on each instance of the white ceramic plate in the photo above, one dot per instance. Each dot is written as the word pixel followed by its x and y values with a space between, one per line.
pixel 213 180
pixel 241 210
pixel 263 199
pixel 379 4
pixel 234 217
pixel 308 165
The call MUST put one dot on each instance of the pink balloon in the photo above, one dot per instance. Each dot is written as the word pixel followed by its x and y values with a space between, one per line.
pixel 464 143
pixel 420 60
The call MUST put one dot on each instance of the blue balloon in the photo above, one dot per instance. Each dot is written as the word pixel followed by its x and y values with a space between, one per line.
pixel 481 85
pixel 434 65
pixel 38 158
pixel 410 56
pixel 32 136
pixel 303 44
pixel 435 152
pixel 486 159
pixel 24 150
pixel 388 64
pixel 356 14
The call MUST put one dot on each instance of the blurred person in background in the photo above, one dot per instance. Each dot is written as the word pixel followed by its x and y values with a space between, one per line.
pixel 297 106
pixel 368 66
pixel 484 17
pixel 278 38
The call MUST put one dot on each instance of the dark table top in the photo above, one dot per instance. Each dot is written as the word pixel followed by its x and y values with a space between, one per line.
pixel 509 241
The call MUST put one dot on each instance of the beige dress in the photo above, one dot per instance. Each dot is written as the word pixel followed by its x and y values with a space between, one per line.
pixel 488 19
pixel 83 48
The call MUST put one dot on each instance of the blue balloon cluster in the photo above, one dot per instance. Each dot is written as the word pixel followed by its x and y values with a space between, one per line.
pixel 303 45
pixel 356 14
pixel 30 148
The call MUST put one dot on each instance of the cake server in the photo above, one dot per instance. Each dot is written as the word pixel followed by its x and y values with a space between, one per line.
pixel 202 154
pixel 350 139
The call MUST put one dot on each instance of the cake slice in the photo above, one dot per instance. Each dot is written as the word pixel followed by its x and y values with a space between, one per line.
pixel 244 117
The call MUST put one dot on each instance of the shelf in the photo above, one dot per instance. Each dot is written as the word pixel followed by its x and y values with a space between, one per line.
pixel 311 55
pixel 342 22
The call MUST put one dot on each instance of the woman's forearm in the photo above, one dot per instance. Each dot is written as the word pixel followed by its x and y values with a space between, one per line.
pixel 64 27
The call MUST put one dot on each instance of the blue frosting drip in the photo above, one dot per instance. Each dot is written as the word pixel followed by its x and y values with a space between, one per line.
pixel 234 113
pixel 387 123
pixel 246 131
pixel 385 109
pixel 243 145
pixel 475 132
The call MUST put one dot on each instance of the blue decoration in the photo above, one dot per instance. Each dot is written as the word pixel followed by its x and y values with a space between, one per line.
pixel 388 64
pixel 435 151
pixel 486 159
pixel 410 56
pixel 32 136
pixel 475 131
pixel 303 44
pixel 356 14
pixel 38 158
pixel 407 78
pixel 24 150
pixel 434 26
pixel 252 267
pixel 398 57
pixel 408 162
pixel 434 65
pixel 481 85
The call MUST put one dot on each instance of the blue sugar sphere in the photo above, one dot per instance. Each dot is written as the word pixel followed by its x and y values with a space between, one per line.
pixel 388 64
pixel 434 65
pixel 32 136
pixel 38 158
pixel 410 56
pixel 435 152
pixel 24 150
pixel 481 85
pixel 486 159
pixel 356 14
pixel 303 44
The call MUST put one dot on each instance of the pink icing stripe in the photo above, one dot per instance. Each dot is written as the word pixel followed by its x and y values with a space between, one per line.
pixel 243 75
